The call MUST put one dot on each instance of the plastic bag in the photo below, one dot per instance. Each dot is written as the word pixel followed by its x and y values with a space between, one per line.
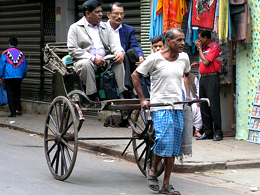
pixel 3 96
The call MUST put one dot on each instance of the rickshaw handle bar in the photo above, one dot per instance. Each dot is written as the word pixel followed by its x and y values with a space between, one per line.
pixel 183 102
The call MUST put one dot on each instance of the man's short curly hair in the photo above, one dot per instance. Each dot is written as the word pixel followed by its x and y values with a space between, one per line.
pixel 90 5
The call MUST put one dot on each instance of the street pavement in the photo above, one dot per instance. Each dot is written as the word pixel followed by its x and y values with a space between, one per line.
pixel 206 154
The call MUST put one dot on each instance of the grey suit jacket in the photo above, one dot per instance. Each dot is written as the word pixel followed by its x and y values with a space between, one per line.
pixel 79 40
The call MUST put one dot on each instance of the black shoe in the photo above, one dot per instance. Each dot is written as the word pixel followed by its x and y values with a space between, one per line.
pixel 18 113
pixel 93 97
pixel 218 138
pixel 204 136
pixel 11 115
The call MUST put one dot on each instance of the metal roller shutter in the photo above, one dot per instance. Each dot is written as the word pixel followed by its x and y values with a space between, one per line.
pixel 33 23
pixel 49 35
pixel 23 20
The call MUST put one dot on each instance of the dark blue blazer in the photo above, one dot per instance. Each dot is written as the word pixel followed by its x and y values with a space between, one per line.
pixel 128 39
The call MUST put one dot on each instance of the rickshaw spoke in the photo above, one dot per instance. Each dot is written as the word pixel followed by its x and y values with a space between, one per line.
pixel 139 127
pixel 54 123
pixel 50 139
pixel 141 156
pixel 68 154
pixel 143 117
pixel 63 118
pixel 51 129
pixel 136 116
pixel 67 128
pixel 61 111
pixel 142 143
pixel 53 146
pixel 56 114
pixel 67 121
pixel 147 155
pixel 54 158
pixel 66 144
pixel 63 161
pixel 57 160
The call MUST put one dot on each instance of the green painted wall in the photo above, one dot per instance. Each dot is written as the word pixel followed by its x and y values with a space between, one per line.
pixel 248 73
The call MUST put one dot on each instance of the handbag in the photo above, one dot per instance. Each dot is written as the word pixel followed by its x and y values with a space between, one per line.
pixel 108 88
pixel 3 96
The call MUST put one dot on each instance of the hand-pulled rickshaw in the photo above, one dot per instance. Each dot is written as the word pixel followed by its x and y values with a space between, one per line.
pixel 65 118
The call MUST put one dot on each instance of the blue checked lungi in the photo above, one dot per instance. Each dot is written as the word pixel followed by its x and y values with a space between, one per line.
pixel 168 125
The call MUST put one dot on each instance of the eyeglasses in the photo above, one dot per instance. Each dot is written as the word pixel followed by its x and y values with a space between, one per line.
pixel 118 13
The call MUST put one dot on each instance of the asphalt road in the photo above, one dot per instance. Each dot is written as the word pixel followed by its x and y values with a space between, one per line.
pixel 24 171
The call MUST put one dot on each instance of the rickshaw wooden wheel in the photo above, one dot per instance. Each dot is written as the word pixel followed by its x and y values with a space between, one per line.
pixel 61 138
pixel 142 146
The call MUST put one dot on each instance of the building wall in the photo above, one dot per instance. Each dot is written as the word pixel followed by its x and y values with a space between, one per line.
pixel 248 58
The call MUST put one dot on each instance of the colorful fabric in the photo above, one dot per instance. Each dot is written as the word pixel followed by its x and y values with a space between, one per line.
pixel 203 13
pixel 192 34
pixel 156 26
pixel 14 57
pixel 212 53
pixel 168 125
pixel 173 12
pixel 188 38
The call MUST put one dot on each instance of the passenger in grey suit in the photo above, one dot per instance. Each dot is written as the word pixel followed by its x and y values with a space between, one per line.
pixel 89 41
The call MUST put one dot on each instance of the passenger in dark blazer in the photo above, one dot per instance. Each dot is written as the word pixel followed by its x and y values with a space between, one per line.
pixel 129 41
pixel 125 34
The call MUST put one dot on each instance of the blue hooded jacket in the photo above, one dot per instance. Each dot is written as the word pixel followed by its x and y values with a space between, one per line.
pixel 13 64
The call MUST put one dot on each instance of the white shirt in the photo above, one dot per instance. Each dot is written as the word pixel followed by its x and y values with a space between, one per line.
pixel 97 47
pixel 166 78
pixel 116 32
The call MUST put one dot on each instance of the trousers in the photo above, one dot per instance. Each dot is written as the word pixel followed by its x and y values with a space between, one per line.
pixel 131 57
pixel 209 87
pixel 13 89
pixel 86 70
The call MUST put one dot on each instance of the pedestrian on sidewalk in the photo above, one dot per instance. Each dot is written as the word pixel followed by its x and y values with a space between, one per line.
pixel 195 108
pixel 209 85
pixel 13 67
pixel 166 69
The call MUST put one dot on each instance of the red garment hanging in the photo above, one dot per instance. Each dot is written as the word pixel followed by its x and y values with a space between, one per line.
pixel 173 12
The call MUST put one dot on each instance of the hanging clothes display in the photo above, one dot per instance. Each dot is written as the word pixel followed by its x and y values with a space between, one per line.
pixel 192 34
pixel 173 12
pixel 188 38
pixel 156 25
pixel 240 21
pixel 223 19
pixel 203 13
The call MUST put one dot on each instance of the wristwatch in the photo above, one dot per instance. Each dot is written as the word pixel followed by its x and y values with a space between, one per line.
pixel 198 48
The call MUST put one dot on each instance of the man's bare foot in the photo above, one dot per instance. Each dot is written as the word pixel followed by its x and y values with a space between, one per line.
pixel 197 133
pixel 152 180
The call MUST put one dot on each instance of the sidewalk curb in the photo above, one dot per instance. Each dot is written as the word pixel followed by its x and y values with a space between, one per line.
pixel 186 167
